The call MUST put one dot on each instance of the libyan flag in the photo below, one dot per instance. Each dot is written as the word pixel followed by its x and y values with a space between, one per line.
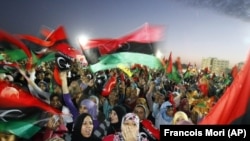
pixel 126 58
pixel 20 113
pixel 171 71
pixel 18 55
pixel 9 43
pixel 24 128
pixel 142 40
pixel 234 105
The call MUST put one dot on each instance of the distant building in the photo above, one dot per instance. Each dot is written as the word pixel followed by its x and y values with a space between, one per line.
pixel 215 65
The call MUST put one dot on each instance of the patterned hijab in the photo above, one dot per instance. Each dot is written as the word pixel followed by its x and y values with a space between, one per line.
pixel 131 116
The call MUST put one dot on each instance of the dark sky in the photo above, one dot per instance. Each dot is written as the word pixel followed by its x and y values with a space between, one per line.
pixel 194 28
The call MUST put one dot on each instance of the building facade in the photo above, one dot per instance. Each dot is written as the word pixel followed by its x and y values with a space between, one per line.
pixel 215 65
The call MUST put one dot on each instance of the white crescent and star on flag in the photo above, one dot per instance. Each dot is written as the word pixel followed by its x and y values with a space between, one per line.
pixel 61 61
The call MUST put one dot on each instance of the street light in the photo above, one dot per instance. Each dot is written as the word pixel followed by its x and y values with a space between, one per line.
pixel 83 40
pixel 158 54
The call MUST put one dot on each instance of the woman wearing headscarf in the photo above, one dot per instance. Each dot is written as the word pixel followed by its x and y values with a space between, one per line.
pixel 165 116
pixel 83 129
pixel 143 101
pixel 116 116
pixel 86 105
pixel 129 130
pixel 146 125
pixel 113 124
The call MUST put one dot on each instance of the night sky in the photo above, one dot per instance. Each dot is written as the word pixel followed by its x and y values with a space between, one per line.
pixel 194 28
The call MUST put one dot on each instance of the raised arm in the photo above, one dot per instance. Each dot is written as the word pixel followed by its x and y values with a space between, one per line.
pixel 33 88
pixel 66 96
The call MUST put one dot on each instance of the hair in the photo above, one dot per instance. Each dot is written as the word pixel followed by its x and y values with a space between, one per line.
pixel 142 100
pixel 45 84
pixel 76 90
pixel 55 95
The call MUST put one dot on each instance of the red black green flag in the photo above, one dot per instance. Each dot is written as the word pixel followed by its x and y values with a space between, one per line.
pixel 20 112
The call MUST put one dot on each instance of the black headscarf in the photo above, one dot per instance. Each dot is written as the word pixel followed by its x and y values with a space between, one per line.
pixel 76 135
pixel 116 127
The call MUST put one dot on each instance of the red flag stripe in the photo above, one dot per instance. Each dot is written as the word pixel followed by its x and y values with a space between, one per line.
pixel 146 34
pixel 170 63
pixel 11 99
pixel 37 40
pixel 4 36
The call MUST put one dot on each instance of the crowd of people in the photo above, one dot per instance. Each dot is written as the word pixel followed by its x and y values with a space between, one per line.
pixel 133 110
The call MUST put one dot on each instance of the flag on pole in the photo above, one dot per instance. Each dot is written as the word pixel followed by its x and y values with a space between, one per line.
pixel 169 64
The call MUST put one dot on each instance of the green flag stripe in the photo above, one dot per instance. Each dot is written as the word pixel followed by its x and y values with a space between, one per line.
pixel 128 58
pixel 24 128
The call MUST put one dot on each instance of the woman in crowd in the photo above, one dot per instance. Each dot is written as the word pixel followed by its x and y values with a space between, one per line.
pixel 111 101
pixel 55 128
pixel 146 125
pixel 143 101
pixel 165 116
pixel 129 130
pixel 112 125
pixel 116 116
pixel 83 129
pixel 86 105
